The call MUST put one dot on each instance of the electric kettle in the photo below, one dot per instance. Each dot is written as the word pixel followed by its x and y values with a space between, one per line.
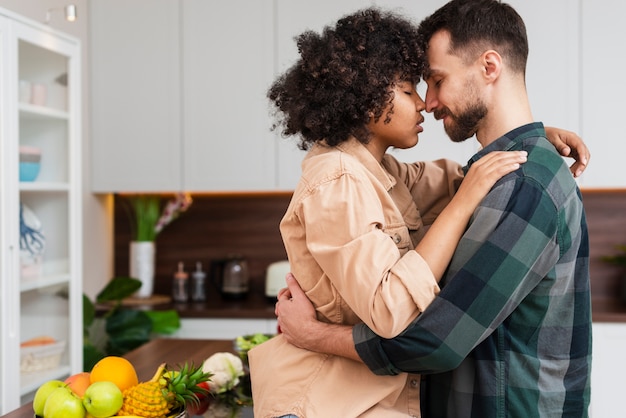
pixel 230 276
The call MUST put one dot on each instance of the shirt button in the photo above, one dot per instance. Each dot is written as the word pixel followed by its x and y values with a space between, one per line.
pixel 397 238
pixel 413 383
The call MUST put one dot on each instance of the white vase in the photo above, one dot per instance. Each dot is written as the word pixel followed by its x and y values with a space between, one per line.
pixel 142 256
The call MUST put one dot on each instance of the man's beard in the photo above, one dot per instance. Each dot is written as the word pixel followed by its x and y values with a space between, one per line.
pixel 462 126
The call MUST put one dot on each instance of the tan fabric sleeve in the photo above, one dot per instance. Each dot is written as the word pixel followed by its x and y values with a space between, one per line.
pixel 343 221
pixel 432 183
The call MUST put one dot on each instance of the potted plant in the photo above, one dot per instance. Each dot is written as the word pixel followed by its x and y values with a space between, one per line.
pixel 619 260
pixel 147 221
pixel 119 330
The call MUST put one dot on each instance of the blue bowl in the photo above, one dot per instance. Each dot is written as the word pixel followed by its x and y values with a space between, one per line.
pixel 29 171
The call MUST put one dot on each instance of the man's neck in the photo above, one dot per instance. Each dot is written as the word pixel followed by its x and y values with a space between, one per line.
pixel 510 109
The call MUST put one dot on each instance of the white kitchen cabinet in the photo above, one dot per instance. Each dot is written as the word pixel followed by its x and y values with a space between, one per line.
pixel 45 298
pixel 223 329
pixel 135 87
pixel 180 104
pixel 608 370
pixel 227 65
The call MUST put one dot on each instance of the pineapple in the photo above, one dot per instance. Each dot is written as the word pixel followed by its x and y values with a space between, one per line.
pixel 165 392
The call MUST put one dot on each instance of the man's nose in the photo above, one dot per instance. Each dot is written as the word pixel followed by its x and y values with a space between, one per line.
pixel 431 101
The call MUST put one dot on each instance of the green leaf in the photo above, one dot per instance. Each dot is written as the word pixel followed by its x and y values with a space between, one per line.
pixel 118 288
pixel 127 330
pixel 146 209
pixel 164 322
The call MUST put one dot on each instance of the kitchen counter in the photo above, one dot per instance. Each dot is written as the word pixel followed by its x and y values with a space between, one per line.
pixel 257 306
pixel 254 306
pixel 149 356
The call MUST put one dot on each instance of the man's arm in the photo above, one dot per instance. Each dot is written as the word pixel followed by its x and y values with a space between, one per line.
pixel 297 322
pixel 449 328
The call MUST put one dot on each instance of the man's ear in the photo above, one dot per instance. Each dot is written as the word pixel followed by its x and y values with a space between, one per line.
pixel 491 62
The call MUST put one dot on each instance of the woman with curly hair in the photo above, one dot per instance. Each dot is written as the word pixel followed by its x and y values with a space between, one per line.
pixel 352 228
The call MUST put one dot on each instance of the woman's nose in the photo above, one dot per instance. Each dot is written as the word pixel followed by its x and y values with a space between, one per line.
pixel 420 104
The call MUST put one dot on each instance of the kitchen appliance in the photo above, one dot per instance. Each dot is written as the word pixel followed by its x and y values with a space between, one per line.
pixel 230 276
pixel 275 278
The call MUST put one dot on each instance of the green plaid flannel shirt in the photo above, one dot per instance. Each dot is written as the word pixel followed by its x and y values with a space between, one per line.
pixel 510 333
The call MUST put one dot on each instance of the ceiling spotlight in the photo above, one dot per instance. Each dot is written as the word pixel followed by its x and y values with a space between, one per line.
pixel 70 13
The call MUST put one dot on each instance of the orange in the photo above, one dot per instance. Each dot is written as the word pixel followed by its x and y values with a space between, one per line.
pixel 117 370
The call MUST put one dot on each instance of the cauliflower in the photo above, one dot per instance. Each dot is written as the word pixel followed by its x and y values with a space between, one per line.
pixel 226 369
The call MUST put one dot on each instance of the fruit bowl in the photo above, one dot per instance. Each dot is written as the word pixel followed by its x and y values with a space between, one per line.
pixel 182 414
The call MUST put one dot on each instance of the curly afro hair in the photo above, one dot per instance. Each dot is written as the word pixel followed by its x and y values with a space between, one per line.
pixel 345 75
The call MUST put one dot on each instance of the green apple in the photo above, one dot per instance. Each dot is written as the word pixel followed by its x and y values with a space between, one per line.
pixel 42 394
pixel 102 399
pixel 63 403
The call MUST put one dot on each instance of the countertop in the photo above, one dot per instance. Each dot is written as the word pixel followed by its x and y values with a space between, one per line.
pixel 255 305
pixel 149 356
pixel 258 306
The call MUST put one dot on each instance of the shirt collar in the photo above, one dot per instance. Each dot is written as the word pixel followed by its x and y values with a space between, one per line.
pixel 357 150
pixel 508 141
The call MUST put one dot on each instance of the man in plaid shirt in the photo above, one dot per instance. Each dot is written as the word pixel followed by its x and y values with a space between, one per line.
pixel 509 335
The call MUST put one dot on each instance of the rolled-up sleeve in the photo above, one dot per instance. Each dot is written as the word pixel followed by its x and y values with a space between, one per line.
pixel 489 277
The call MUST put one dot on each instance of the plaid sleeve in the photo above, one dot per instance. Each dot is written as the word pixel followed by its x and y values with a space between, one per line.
pixel 508 249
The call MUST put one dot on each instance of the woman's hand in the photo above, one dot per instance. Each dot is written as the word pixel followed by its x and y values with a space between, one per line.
pixel 439 243
pixel 485 172
pixel 570 145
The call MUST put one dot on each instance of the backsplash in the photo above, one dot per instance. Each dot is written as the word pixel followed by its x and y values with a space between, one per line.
pixel 213 227
pixel 247 224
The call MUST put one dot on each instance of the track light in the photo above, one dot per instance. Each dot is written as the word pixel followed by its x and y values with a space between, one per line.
pixel 70 13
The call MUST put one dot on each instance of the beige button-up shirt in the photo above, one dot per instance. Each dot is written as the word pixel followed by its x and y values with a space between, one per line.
pixel 350 233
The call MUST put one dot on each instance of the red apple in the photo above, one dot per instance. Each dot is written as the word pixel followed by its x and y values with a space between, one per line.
pixel 205 393
pixel 79 383
pixel 204 401
pixel 200 408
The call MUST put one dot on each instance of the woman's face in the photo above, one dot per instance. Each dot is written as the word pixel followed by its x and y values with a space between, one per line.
pixel 405 125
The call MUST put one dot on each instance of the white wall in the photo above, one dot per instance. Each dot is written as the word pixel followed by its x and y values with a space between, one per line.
pixel 97 210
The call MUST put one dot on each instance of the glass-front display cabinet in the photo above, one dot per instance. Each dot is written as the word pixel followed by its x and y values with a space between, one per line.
pixel 40 208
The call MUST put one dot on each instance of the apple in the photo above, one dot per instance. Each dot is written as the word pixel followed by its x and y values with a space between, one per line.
pixel 42 394
pixel 102 399
pixel 200 408
pixel 63 403
pixel 79 383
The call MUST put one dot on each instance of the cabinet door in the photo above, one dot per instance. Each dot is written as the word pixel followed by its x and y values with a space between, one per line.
pixel 227 67
pixel 135 90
